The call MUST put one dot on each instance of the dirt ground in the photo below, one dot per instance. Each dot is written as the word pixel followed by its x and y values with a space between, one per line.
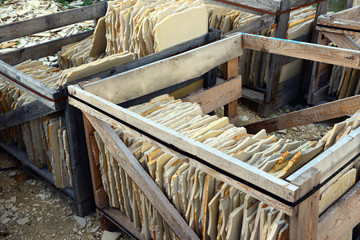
pixel 33 209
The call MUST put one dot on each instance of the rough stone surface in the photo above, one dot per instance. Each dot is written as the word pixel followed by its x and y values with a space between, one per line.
pixel 110 235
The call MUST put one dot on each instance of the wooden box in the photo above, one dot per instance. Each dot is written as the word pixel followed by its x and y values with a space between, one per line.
pixel 297 196
pixel 50 101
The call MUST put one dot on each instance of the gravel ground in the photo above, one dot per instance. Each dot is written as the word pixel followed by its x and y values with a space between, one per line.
pixel 33 209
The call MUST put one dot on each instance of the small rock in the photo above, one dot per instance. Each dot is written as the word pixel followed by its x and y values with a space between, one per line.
pixel 81 221
pixel 94 229
pixel 283 131
pixel 42 196
pixel 23 221
pixel 5 220
pixel 13 199
pixel 287 110
pixel 110 235
pixel 53 235
pixel 2 200
pixel 75 229
pixel 245 118
pixel 12 173
pixel 39 219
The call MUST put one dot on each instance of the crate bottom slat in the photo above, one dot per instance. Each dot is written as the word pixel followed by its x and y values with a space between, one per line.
pixel 122 221
pixel 43 172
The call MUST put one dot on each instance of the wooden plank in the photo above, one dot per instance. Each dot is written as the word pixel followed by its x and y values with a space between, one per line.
pixel 24 114
pixel 216 97
pixel 253 95
pixel 122 221
pixel 342 217
pixel 211 156
pixel 174 50
pixel 255 25
pixel 272 6
pixel 342 41
pixel 276 62
pixel 167 72
pixel 79 161
pixel 40 24
pixel 42 50
pixel 232 182
pixel 298 3
pixel 318 113
pixel 347 14
pixel 319 94
pixel 339 23
pixel 100 197
pixel 143 180
pixel 304 224
pixel 343 31
pixel 308 51
pixel 333 158
pixel 230 109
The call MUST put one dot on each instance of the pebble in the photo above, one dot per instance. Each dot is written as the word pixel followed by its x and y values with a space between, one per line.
pixel 5 220
pixel 23 221
pixel 81 221
pixel 12 173
pixel 110 235
pixel 2 200
pixel 13 199
pixel 245 118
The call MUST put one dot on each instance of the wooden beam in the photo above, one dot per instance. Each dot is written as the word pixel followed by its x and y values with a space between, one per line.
pixel 211 156
pixel 308 51
pixel 272 6
pixel 254 26
pixel 276 61
pixel 347 14
pixel 339 23
pixel 40 24
pixel 331 110
pixel 333 158
pixel 164 73
pixel 232 182
pixel 230 109
pixel 298 3
pixel 174 50
pixel 253 95
pixel 142 179
pixel 28 84
pixel 101 199
pixel 342 41
pixel 342 31
pixel 216 97
pixel 24 114
pixel 42 50
pixel 341 217
pixel 118 217
pixel 304 224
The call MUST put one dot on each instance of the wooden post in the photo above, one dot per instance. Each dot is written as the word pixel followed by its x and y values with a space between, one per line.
pixel 79 161
pixel 230 110
pixel 321 9
pixel 304 225
pixel 276 61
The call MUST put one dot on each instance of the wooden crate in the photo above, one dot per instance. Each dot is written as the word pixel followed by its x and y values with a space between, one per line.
pixel 275 13
pixel 337 28
pixel 297 196
pixel 50 101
